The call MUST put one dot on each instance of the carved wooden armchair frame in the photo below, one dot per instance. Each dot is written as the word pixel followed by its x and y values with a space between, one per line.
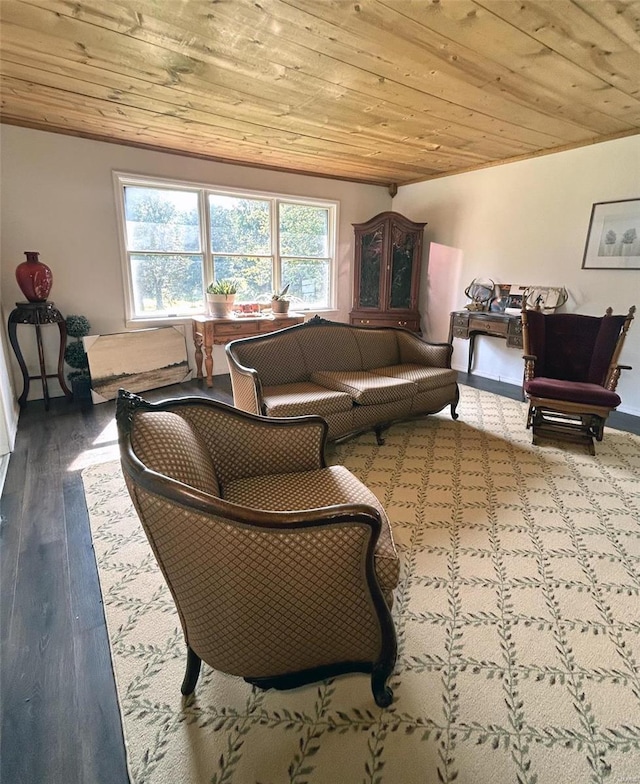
pixel 281 598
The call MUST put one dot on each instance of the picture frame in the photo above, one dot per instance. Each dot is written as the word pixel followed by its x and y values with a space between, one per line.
pixel 509 298
pixel 613 237
pixel 138 360
pixel 501 299
pixel 545 298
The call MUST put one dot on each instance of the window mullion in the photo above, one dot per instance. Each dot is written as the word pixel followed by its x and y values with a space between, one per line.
pixel 205 239
pixel 275 245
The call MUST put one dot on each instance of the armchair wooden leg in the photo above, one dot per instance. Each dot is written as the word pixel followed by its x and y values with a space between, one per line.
pixel 192 673
pixel 454 405
pixel 529 416
pixel 382 693
pixel 379 438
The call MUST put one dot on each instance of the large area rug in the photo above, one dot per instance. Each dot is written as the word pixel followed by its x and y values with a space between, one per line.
pixel 517 614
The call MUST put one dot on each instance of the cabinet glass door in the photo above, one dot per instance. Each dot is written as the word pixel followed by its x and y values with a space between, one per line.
pixel 370 269
pixel 401 269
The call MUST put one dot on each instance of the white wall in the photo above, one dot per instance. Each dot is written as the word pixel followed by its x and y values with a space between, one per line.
pixel 523 222
pixel 526 223
pixel 9 410
pixel 58 199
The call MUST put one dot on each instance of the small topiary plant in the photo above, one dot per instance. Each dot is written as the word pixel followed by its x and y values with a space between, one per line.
pixel 75 355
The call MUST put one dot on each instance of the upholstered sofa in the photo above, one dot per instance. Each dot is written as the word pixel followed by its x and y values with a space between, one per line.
pixel 356 378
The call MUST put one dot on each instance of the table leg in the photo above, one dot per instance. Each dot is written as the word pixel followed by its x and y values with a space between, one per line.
pixel 208 364
pixel 197 342
pixel 13 339
pixel 43 369
pixel 63 344
pixel 472 344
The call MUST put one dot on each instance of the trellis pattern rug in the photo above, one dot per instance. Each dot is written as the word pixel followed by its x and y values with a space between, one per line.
pixel 518 618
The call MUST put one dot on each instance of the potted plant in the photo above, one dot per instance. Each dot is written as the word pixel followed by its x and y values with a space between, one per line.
pixel 628 238
pixel 76 357
pixel 221 295
pixel 280 303
pixel 610 239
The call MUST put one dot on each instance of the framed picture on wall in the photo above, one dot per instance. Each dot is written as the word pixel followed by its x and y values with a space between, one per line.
pixel 613 238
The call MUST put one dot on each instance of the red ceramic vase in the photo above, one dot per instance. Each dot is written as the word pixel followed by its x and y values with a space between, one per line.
pixel 34 278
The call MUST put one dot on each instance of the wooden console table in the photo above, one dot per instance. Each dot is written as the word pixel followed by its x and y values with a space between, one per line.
pixel 209 332
pixel 467 324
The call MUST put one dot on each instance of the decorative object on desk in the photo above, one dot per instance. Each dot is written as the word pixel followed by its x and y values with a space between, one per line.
pixel 613 237
pixel 34 277
pixel 248 309
pixel 501 300
pixel 75 356
pixel 513 303
pixel 280 302
pixel 480 291
pixel 545 298
pixel 510 298
pixel 221 295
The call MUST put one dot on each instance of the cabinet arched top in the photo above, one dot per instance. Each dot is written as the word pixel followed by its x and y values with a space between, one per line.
pixel 389 216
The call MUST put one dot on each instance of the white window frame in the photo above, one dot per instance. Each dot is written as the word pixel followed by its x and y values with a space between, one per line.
pixel 121 180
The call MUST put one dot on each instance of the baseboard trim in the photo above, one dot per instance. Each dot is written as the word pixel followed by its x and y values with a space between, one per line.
pixel 4 467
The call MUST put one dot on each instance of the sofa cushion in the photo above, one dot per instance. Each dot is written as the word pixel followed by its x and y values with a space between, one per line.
pixel 285 400
pixel 323 487
pixel 572 391
pixel 424 377
pixel 365 388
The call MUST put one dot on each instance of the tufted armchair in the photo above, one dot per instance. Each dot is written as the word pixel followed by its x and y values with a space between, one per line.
pixel 571 372
pixel 281 568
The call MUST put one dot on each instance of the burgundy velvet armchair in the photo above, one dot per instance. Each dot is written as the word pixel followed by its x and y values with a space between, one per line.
pixel 571 372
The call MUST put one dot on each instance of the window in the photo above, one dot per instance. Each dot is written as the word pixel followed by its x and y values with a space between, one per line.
pixel 177 238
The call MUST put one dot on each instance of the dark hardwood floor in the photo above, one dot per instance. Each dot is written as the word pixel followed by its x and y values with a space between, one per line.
pixel 60 717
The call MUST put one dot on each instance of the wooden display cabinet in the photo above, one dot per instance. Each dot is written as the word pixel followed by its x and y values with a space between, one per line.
pixel 388 255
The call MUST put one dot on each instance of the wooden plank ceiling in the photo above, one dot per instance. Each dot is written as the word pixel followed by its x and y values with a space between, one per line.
pixel 375 91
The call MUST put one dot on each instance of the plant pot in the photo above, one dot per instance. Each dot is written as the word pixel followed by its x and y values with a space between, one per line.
pixel 81 388
pixel 220 305
pixel 280 307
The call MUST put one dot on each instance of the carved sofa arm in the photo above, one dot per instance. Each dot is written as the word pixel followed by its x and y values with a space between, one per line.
pixel 246 385
pixel 415 350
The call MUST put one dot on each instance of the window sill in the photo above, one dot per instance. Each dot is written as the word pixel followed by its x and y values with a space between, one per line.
pixel 169 321
pixel 163 321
